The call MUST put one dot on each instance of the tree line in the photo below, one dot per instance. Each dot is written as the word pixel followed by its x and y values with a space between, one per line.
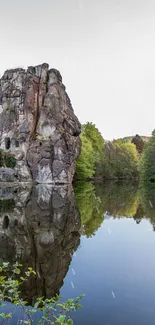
pixel 124 158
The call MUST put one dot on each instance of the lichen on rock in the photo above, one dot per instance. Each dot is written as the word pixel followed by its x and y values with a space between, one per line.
pixel 38 125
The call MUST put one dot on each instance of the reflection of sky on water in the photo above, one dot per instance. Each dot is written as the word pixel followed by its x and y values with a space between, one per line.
pixel 116 271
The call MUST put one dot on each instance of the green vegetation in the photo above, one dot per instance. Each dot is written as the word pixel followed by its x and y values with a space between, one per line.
pixel 129 139
pixel 120 161
pixel 53 310
pixel 127 158
pixel 106 160
pixel 147 167
pixel 7 159
pixel 86 163
pixel 146 158
pixel 139 143
pixel 91 155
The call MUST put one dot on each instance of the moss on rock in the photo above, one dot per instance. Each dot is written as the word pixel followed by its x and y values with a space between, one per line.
pixel 7 159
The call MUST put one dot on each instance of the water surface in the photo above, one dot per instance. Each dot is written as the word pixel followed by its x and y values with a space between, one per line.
pixel 100 244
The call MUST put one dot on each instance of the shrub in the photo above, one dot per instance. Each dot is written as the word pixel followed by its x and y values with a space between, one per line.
pixel 53 311
pixel 7 159
pixel 10 160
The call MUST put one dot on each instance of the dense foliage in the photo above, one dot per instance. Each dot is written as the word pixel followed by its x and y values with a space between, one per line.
pixel 120 160
pixel 91 153
pixel 148 160
pixel 85 168
pixel 105 160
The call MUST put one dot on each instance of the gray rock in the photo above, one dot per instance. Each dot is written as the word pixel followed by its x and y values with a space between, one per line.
pixel 8 175
pixel 37 116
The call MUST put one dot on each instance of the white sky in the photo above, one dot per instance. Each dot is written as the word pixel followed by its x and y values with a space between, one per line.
pixel 104 49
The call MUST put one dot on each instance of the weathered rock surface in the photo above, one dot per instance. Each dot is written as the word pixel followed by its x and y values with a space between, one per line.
pixel 39 227
pixel 38 124
pixel 8 175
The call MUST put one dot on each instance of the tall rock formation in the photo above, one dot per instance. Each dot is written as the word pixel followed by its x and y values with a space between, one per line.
pixel 38 126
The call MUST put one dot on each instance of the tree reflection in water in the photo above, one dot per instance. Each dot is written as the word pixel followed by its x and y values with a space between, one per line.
pixel 117 200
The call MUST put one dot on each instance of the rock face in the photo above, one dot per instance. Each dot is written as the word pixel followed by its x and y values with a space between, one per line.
pixel 38 125
pixel 39 227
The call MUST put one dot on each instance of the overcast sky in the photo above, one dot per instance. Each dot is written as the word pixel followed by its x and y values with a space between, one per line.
pixel 104 49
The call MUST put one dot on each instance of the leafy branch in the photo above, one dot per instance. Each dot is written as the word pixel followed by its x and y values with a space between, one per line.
pixel 53 310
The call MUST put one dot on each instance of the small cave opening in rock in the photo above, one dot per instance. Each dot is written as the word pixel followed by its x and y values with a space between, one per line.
pixel 6 222
pixel 17 143
pixel 40 144
pixel 7 143
pixel 76 133
pixel 15 222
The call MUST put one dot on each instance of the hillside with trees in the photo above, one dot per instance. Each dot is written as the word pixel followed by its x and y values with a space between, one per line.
pixel 129 138
pixel 126 158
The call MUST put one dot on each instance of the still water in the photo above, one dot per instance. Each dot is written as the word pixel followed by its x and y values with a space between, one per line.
pixel 99 242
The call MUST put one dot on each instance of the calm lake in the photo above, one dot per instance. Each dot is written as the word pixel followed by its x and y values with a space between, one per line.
pixel 99 242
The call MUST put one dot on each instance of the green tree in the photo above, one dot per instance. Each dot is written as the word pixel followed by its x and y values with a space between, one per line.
pixel 91 157
pixel 120 160
pixel 147 167
pixel 94 136
pixel 139 143
pixel 110 160
pixel 131 160
pixel 85 167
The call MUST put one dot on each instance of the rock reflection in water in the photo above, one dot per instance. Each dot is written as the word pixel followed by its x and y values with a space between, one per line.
pixel 40 228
